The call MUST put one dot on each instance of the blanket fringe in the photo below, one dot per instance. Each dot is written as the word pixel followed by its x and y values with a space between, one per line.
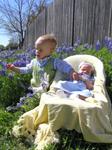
pixel 45 136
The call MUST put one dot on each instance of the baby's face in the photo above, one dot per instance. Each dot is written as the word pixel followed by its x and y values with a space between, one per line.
pixel 43 49
pixel 86 68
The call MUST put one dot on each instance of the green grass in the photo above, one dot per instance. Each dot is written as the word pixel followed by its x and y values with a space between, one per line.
pixel 69 140
pixel 7 140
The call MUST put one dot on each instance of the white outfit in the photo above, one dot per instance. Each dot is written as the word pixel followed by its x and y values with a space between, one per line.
pixel 74 87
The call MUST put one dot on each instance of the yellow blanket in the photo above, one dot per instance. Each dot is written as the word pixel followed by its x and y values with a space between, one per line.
pixel 92 117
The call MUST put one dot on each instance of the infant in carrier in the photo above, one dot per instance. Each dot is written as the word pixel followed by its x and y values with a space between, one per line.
pixel 82 87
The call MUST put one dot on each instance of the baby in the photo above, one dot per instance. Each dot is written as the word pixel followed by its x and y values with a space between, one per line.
pixel 82 86
pixel 43 67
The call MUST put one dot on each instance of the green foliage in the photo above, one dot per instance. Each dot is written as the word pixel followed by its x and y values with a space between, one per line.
pixel 12 88
pixel 106 57
pixel 7 140
pixel 12 46
pixel 31 102
pixel 2 47
pixel 72 140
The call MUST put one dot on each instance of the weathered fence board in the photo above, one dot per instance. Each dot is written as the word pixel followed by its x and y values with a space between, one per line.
pixel 90 20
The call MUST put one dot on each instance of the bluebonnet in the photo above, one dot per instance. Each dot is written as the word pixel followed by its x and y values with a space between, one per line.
pixel 11 76
pixel 18 105
pixel 98 45
pixel 2 72
pixel 64 51
pixel 110 45
pixel 77 42
pixel 86 45
pixel 3 68
pixel 21 102
pixel 3 65
pixel 30 94
pixel 20 63
pixel 59 50
pixel 106 41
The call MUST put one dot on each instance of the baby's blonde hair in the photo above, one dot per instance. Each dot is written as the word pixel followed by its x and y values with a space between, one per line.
pixel 47 38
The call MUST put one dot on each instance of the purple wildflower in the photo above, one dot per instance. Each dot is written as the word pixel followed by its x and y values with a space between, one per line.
pixel 110 45
pixel 98 45
pixel 29 94
pixel 18 105
pixel 20 63
pixel 59 50
pixel 106 41
pixel 78 41
pixel 11 76
pixel 3 65
pixel 86 45
pixel 76 45
pixel 2 72
pixel 22 99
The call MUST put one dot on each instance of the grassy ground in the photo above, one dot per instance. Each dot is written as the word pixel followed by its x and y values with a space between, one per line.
pixel 69 140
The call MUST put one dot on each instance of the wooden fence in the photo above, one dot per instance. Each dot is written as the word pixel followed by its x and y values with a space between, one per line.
pixel 90 20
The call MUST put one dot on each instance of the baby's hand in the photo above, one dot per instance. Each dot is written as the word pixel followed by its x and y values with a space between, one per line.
pixel 10 66
pixel 75 76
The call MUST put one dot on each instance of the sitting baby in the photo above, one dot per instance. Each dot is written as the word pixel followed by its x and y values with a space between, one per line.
pixel 81 87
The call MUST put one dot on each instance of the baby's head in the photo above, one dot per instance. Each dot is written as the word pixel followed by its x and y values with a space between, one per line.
pixel 87 68
pixel 45 45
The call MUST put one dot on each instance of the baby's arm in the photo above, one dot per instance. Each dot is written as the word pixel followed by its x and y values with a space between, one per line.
pixel 21 70
pixel 65 67
pixel 13 68
pixel 89 84
pixel 75 75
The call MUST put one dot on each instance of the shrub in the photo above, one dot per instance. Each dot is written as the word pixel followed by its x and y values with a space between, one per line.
pixel 12 88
